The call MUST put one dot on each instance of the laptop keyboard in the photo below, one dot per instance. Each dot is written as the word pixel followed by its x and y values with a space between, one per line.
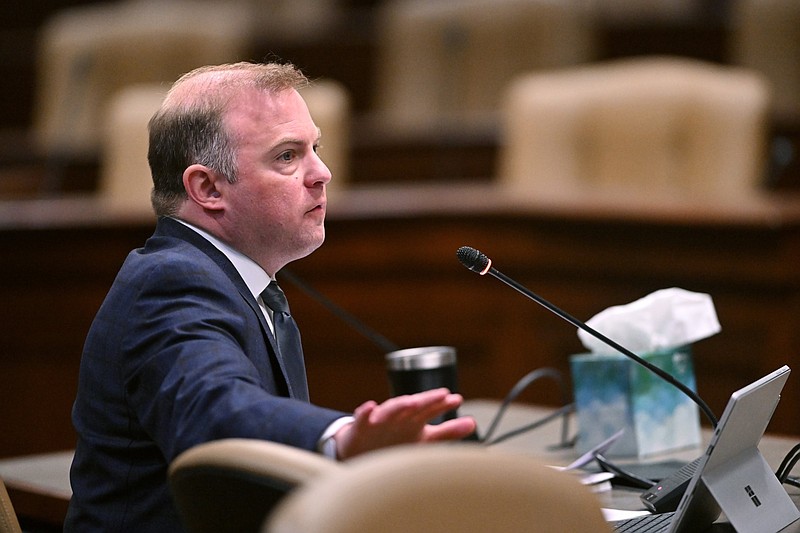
pixel 644 524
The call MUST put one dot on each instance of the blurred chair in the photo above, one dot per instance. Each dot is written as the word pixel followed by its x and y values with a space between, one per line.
pixel 656 125
pixel 293 21
pixel 230 485
pixel 765 36
pixel 8 518
pixel 616 12
pixel 449 60
pixel 125 181
pixel 442 488
pixel 330 107
pixel 88 53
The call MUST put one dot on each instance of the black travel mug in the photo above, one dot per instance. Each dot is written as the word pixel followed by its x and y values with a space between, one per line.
pixel 419 369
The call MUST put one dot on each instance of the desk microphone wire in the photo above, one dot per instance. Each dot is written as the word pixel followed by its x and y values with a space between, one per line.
pixel 515 391
pixel 562 411
pixel 787 465
pixel 628 477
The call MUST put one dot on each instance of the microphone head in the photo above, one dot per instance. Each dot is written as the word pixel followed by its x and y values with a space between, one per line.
pixel 474 260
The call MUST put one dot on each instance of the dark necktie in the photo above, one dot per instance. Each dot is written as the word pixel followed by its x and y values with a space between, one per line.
pixel 288 338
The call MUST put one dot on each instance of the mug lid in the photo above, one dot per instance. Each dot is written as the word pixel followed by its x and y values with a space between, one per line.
pixel 422 358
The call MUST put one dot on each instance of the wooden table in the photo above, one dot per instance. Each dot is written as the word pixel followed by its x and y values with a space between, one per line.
pixel 39 484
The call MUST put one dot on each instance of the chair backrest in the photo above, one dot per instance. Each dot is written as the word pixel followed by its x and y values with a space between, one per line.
pixel 451 59
pixel 443 488
pixel 125 181
pixel 329 104
pixel 8 518
pixel 655 124
pixel 88 53
pixel 765 36
pixel 230 485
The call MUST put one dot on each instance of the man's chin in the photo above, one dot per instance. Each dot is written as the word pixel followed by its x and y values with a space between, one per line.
pixel 313 244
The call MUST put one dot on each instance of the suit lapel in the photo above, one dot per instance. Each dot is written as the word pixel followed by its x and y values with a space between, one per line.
pixel 169 227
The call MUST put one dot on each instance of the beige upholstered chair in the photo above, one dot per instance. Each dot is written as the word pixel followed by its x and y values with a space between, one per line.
pixel 8 518
pixel 292 21
pixel 626 12
pixel 88 53
pixel 125 182
pixel 449 60
pixel 765 36
pixel 330 106
pixel 658 125
pixel 230 485
pixel 440 488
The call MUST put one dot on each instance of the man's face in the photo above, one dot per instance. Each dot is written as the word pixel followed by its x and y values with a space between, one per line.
pixel 276 210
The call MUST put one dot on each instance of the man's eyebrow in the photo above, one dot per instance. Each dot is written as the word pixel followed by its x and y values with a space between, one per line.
pixel 295 140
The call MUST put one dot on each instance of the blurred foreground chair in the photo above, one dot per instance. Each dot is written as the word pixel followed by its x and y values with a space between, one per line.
pixel 230 485
pixel 86 54
pixel 8 518
pixel 440 488
pixel 656 125
pixel 448 61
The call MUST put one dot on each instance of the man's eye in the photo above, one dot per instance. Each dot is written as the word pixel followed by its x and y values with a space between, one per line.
pixel 286 156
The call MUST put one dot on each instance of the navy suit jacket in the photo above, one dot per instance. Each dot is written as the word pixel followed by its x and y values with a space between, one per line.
pixel 178 354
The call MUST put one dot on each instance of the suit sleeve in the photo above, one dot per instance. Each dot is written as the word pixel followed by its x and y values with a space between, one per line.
pixel 196 366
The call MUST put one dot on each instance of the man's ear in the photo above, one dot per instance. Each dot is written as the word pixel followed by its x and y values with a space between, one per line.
pixel 203 186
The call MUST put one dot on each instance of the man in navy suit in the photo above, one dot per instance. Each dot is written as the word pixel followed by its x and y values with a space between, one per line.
pixel 183 349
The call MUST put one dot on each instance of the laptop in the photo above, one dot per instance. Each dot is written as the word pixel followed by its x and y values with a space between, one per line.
pixel 732 476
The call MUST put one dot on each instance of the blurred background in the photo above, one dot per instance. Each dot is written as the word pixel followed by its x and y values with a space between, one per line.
pixel 598 150
pixel 417 76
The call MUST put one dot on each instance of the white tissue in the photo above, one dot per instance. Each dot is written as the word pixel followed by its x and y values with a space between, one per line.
pixel 665 319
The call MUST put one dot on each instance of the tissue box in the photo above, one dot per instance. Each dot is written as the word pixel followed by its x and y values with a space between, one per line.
pixel 613 392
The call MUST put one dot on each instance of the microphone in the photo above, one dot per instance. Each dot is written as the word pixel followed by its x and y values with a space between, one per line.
pixel 410 370
pixel 480 263
pixel 376 338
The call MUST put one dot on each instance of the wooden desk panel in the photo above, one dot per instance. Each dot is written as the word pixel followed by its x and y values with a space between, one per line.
pixel 390 259
pixel 59 259
pixel 396 268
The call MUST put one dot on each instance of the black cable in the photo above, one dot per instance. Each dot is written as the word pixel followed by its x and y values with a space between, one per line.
pixel 788 466
pixel 382 342
pixel 562 411
pixel 783 470
pixel 793 481
pixel 628 477
pixel 518 388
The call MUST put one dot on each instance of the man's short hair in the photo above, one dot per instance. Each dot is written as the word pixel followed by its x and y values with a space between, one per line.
pixel 189 127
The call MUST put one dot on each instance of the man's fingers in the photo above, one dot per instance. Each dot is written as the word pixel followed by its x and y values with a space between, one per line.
pixel 458 428
pixel 433 409
pixel 414 409
pixel 363 412
pixel 418 407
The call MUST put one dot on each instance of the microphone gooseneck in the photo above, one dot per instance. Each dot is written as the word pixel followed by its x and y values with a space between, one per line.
pixel 480 263
pixel 379 340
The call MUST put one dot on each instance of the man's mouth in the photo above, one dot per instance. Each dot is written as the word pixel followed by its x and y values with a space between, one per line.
pixel 317 208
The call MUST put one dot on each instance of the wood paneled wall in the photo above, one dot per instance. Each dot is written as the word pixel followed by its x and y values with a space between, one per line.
pixel 389 258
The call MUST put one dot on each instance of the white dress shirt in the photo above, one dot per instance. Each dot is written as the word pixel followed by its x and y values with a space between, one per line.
pixel 257 280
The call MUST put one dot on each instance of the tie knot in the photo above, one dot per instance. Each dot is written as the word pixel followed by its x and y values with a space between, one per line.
pixel 274 298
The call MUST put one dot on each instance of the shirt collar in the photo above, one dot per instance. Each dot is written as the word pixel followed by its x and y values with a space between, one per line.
pixel 253 275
